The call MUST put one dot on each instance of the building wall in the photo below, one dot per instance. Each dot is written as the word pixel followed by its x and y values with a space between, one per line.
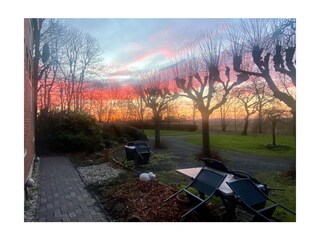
pixel 29 148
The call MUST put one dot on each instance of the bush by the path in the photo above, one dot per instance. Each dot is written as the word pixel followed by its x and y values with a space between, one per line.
pixel 66 131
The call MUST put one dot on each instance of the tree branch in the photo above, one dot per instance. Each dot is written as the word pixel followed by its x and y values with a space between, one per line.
pixel 237 60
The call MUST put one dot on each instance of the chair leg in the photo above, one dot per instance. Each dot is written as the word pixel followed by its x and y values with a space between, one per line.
pixel 192 209
pixel 173 195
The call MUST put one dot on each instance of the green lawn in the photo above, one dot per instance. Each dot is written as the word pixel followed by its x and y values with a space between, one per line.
pixel 285 196
pixel 256 144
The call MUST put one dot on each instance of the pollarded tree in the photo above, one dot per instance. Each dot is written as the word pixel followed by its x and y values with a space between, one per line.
pixel 272 45
pixel 198 75
pixel 154 92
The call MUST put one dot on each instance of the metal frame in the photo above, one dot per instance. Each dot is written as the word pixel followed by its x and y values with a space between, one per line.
pixel 206 182
pixel 254 199
pixel 216 164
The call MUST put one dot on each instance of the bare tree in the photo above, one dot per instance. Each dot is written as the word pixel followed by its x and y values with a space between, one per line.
pixel 274 115
pixel 61 86
pixel 90 59
pixel 105 101
pixel 51 36
pixel 225 109
pixel 137 105
pixel 82 58
pixel 88 103
pixel 197 74
pixel 69 65
pixel 37 73
pixel 171 110
pixel 194 112
pixel 154 92
pixel 263 98
pixel 272 43
pixel 236 111
pixel 247 97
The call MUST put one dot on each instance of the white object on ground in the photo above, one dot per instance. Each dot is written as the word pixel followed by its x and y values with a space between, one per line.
pixel 145 177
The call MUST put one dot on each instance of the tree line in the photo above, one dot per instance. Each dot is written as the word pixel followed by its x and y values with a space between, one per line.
pixel 248 64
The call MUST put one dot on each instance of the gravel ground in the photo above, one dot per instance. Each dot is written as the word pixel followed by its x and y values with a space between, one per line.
pixel 30 205
pixel 97 173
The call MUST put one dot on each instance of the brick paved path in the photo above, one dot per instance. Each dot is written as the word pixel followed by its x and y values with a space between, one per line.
pixel 62 194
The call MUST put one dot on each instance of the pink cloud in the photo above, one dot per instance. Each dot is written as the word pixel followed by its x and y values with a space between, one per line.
pixel 148 57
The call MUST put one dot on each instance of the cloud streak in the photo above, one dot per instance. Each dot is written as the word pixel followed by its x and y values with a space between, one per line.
pixel 133 46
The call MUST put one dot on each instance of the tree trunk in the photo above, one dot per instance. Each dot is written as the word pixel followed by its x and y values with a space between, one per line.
pixel 223 120
pixel 274 123
pixel 245 127
pixel 223 125
pixel 36 41
pixel 61 100
pixel 205 135
pixel 294 123
pixel 157 143
pixel 141 113
pixel 260 122
pixel 76 102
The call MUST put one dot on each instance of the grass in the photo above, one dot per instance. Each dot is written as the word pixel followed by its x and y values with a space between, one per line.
pixel 172 178
pixel 286 197
pixel 256 144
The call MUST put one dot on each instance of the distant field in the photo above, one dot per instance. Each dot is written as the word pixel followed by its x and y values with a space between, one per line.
pixel 150 133
pixel 251 143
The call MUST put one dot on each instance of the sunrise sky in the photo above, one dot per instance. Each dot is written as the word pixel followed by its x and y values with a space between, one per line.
pixel 14 11
pixel 134 45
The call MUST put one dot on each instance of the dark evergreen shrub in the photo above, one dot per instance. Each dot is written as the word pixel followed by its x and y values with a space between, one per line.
pixel 66 131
